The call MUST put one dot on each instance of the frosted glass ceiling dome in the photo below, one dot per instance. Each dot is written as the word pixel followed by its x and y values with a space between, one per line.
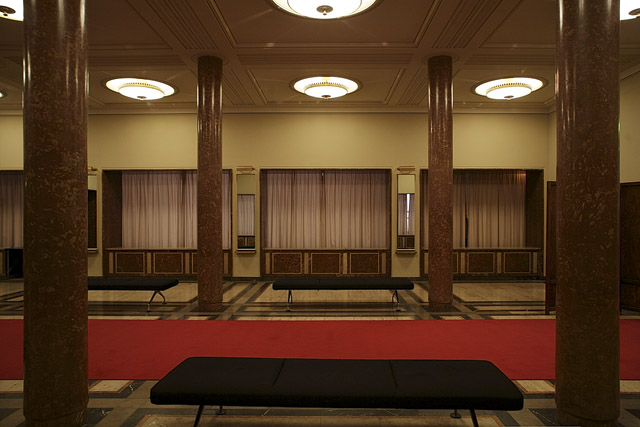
pixel 508 88
pixel 324 9
pixel 325 87
pixel 141 89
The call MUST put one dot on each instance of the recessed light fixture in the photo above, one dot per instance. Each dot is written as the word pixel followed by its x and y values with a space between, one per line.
pixel 11 9
pixel 326 87
pixel 629 9
pixel 324 9
pixel 2 94
pixel 508 88
pixel 142 89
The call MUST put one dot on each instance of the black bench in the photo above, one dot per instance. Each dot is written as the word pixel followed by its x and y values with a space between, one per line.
pixel 338 383
pixel 337 283
pixel 155 284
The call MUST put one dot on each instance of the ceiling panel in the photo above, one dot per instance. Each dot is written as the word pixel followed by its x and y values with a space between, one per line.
pixel 264 49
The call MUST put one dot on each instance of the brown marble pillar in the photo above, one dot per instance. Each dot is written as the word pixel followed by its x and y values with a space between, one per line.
pixel 55 213
pixel 210 267
pixel 587 344
pixel 440 184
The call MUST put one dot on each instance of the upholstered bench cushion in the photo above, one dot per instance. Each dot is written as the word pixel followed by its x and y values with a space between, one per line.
pixel 333 283
pixel 131 283
pixel 408 384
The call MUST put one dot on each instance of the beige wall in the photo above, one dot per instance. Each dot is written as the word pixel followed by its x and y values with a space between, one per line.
pixel 629 132
pixel 11 142
pixel 315 141
pixel 630 128
pixel 169 141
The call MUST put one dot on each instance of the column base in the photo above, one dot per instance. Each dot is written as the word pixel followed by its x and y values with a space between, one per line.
pixel 209 306
pixel 567 419
pixel 440 306
pixel 71 420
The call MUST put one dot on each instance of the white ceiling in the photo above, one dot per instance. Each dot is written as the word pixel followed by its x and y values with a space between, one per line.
pixel 264 49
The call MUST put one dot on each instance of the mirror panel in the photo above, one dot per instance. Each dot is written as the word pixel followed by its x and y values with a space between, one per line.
pixel 246 211
pixel 406 211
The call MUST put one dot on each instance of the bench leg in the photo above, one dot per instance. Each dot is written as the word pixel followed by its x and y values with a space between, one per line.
pixel 221 411
pixel 397 298
pixel 474 419
pixel 289 300
pixel 198 415
pixel 164 300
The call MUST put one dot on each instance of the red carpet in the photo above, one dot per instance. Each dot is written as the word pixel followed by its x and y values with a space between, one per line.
pixel 132 349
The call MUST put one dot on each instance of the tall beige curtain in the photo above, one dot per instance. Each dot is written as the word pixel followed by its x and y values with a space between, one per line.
pixel 357 209
pixel 159 209
pixel 512 196
pixel 406 214
pixel 292 209
pixel 459 210
pixel 488 209
pixel 226 209
pixel 11 209
pixel 496 209
pixel 306 209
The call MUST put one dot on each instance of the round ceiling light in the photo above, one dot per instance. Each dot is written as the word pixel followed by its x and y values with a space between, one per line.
pixel 141 89
pixel 324 9
pixel 629 9
pixel 11 9
pixel 2 94
pixel 508 88
pixel 326 87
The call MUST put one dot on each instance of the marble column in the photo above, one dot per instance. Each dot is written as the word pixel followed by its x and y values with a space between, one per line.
pixel 440 184
pixel 209 183
pixel 587 324
pixel 55 213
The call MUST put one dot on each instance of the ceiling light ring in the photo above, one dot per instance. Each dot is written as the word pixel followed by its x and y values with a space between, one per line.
pixel 323 9
pixel 529 82
pixel 116 84
pixel 511 85
pixel 348 84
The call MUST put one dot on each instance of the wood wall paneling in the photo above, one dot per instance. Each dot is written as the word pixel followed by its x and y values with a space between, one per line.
pixel 180 263
pixel 364 263
pixel 130 263
pixel 111 214
pixel 630 245
pixel 285 263
pixel 329 262
pixel 481 262
pixel 326 263
pixel 550 252
pixel 3 267
pixel 517 262
pixel 169 263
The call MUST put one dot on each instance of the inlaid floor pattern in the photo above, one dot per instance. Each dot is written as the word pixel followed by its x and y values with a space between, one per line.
pixel 126 403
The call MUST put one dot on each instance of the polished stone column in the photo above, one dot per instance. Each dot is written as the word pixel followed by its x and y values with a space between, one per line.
pixel 55 213
pixel 440 186
pixel 587 344
pixel 210 260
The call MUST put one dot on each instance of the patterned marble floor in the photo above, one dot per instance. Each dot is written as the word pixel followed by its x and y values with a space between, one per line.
pixel 126 403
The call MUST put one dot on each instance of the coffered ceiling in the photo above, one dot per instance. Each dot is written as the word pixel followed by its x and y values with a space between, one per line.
pixel 264 50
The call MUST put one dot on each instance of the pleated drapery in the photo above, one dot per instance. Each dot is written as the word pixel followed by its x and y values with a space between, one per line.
pixel 159 209
pixel 11 209
pixel 326 209
pixel 488 209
